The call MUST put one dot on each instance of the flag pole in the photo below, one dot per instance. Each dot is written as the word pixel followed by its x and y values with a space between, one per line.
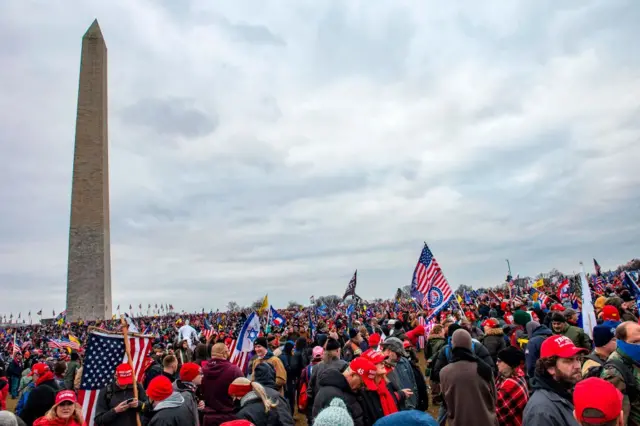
pixel 127 347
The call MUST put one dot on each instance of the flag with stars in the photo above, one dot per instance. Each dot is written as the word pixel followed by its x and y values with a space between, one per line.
pixel 103 354
pixel 243 345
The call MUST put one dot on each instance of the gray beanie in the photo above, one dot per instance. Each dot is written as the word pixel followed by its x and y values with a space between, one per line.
pixel 531 327
pixel 7 418
pixel 461 339
pixel 336 414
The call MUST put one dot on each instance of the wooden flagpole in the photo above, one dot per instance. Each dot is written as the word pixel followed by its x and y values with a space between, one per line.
pixel 127 347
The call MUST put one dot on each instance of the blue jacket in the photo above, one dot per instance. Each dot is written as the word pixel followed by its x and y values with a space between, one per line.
pixel 532 353
pixel 402 376
pixel 23 398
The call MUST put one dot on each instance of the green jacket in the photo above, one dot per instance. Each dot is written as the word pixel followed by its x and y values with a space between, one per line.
pixel 70 375
pixel 611 374
pixel 577 336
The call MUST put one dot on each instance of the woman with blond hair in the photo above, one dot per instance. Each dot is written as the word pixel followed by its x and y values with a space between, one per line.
pixel 259 405
pixel 65 412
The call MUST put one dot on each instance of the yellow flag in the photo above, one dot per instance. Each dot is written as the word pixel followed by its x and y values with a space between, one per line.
pixel 535 296
pixel 74 339
pixel 265 304
pixel 539 283
pixel 459 299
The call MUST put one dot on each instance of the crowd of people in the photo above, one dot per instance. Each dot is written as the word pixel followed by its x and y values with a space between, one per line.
pixel 489 361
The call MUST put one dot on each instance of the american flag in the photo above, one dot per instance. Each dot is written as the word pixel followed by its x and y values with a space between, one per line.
pixel 241 359
pixel 208 331
pixel 596 266
pixel 104 353
pixel 429 281
pixel 428 326
pixel 62 343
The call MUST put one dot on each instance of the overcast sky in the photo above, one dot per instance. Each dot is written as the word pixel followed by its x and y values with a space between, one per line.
pixel 271 146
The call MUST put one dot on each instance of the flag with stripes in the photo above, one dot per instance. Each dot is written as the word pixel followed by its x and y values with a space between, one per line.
pixel 351 287
pixel 208 331
pixel 428 326
pixel 104 353
pixel 243 345
pixel 429 281
pixel 241 359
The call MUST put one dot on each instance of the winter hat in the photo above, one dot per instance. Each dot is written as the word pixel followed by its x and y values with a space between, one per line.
pixel 160 388
pixel 569 312
pixel 240 387
pixel 600 301
pixel 603 333
pixel 461 339
pixel 558 317
pixel 511 356
pixel 521 317
pixel 336 414
pixel 352 333
pixel 531 327
pixel 189 371
pixel 237 423
pixel 374 340
pixel 7 418
pixel 452 329
pixel 395 345
pixel 261 341
pixel 407 418
pixel 332 344
pixel 610 312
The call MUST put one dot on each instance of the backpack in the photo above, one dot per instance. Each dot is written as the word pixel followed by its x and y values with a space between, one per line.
pixel 447 349
pixel 631 390
pixel 303 401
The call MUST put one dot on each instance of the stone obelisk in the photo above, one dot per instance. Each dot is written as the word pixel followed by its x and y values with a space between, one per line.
pixel 89 268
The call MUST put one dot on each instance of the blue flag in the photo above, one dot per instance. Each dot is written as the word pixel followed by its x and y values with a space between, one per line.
pixel 277 320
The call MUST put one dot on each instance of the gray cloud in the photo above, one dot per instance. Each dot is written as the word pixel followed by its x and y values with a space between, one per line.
pixel 489 131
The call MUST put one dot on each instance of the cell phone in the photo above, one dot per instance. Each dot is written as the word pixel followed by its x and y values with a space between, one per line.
pixel 129 401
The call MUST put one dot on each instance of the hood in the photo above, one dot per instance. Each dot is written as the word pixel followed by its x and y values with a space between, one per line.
pixel 333 377
pixel 175 400
pixel 493 331
pixel 265 374
pixel 338 364
pixel 543 331
pixel 434 338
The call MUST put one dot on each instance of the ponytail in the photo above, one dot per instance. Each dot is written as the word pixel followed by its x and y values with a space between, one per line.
pixel 262 394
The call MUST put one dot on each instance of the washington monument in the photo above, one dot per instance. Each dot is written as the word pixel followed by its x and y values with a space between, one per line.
pixel 89 267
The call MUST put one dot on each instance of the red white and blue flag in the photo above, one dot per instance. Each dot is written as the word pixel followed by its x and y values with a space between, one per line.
pixel 429 282
pixel 277 320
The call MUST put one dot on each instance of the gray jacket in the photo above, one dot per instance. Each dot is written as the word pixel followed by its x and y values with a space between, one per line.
pixel 547 408
pixel 402 376
pixel 337 364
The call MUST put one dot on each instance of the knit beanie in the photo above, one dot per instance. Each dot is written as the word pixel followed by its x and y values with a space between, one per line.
pixel 332 344
pixel 511 356
pixel 189 371
pixel 603 333
pixel 558 317
pixel 461 339
pixel 352 333
pixel 240 387
pixel 374 340
pixel 521 317
pixel 407 418
pixel 261 341
pixel 336 414
pixel 7 418
pixel 160 388
pixel 452 329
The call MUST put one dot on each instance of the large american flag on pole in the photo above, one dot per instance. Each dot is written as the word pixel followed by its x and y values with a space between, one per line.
pixel 430 282
pixel 104 353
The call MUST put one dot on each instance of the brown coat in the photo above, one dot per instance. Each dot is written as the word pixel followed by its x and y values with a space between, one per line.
pixel 470 400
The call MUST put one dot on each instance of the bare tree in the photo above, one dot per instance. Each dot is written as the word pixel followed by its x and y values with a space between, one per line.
pixel 462 288
pixel 233 306
pixel 257 304
pixel 293 305
pixel 331 301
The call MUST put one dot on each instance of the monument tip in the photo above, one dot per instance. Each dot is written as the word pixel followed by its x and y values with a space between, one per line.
pixel 94 30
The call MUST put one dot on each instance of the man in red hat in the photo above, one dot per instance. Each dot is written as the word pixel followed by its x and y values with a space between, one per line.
pixel 116 403
pixel 597 402
pixel 556 373
pixel 43 397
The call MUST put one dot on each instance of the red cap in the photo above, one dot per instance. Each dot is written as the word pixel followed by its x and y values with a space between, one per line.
pixel 189 371
pixel 601 398
pixel 237 423
pixel 124 374
pixel 556 307
pixel 160 388
pixel 65 395
pixel 39 369
pixel 491 323
pixel 610 313
pixel 560 346
pixel 373 356
pixel 366 370
pixel 374 340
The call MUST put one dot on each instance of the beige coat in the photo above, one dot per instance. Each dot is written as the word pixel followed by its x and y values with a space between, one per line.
pixel 470 400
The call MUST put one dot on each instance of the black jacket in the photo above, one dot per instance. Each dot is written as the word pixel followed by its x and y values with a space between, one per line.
pixel 252 409
pixel 40 400
pixel 332 384
pixel 171 412
pixel 371 406
pixel 109 398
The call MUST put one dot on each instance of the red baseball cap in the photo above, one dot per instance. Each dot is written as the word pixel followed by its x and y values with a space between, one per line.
pixel 560 346
pixel 124 374
pixel 556 307
pixel 374 356
pixel 610 313
pixel 596 401
pixel 491 323
pixel 65 395
pixel 366 370
pixel 39 369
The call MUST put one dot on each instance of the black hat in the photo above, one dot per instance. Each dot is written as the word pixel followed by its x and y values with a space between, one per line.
pixel 261 341
pixel 452 328
pixel 558 317
pixel 332 344
pixel 352 333
pixel 511 356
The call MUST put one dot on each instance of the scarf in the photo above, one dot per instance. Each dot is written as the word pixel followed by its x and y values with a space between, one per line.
pixel 189 386
pixel 45 377
pixel 462 354
pixel 386 400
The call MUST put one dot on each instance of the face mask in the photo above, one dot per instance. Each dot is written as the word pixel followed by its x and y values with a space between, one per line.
pixel 632 350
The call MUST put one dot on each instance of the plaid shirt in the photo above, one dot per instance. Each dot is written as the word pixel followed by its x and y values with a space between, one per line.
pixel 512 398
